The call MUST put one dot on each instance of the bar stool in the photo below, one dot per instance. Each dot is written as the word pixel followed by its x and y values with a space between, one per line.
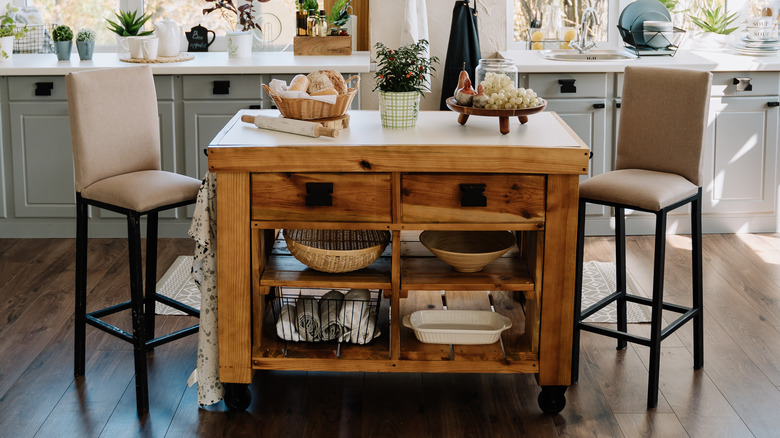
pixel 116 152
pixel 663 117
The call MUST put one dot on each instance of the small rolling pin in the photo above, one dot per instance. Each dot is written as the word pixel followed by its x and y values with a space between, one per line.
pixel 300 127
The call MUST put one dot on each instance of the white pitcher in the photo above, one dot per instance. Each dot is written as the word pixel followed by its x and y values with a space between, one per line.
pixel 169 34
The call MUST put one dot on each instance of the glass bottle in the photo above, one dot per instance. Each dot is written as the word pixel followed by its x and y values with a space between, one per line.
pixel 499 68
pixel 311 23
pixel 301 19
pixel 322 25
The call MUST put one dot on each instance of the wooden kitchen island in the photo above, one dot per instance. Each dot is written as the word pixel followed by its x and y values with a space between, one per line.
pixel 403 181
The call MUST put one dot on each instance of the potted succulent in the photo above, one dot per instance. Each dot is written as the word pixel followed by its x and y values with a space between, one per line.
pixel 128 23
pixel 85 43
pixel 715 23
pixel 8 32
pixel 241 20
pixel 401 77
pixel 63 41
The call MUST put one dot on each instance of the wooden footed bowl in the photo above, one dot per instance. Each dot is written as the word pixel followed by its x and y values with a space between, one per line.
pixel 467 251
pixel 502 114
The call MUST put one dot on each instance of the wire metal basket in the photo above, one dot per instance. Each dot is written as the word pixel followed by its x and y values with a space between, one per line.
pixel 36 40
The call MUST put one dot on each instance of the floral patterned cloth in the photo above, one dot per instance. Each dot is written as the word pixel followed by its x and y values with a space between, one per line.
pixel 204 271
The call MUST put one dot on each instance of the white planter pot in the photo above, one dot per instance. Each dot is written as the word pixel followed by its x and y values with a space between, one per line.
pixel 399 109
pixel 6 48
pixel 239 44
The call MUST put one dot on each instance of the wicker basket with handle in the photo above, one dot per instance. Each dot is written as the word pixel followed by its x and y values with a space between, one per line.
pixel 336 250
pixel 309 109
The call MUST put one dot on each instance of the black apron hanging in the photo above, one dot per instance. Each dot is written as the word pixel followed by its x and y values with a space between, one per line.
pixel 463 47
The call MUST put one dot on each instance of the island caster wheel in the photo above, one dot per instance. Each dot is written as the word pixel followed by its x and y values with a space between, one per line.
pixel 237 396
pixel 552 399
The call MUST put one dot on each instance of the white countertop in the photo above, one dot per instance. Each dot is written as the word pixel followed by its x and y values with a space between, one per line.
pixel 204 63
pixel 529 61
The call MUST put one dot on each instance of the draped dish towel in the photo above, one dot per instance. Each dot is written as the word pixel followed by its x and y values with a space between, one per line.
pixel 286 326
pixel 330 305
pixel 356 317
pixel 416 27
pixel 308 319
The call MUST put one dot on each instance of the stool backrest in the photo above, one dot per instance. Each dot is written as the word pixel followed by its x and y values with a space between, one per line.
pixel 663 117
pixel 113 122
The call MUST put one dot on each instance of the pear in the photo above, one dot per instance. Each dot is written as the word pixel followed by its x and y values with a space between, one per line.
pixel 465 95
pixel 480 99
pixel 462 78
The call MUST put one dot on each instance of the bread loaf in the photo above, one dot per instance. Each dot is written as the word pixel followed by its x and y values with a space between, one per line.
pixel 325 92
pixel 322 79
pixel 299 83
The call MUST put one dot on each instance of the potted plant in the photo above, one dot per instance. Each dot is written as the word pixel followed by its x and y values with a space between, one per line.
pixel 401 77
pixel 339 16
pixel 239 42
pixel 8 32
pixel 714 21
pixel 63 41
pixel 85 43
pixel 128 23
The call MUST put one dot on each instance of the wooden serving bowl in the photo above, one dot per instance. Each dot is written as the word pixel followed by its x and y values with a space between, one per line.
pixel 502 114
pixel 467 251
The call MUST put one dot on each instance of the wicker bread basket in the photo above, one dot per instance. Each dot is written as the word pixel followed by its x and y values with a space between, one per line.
pixel 309 109
pixel 336 250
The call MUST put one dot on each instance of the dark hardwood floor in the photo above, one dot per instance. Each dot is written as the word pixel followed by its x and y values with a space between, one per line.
pixel 735 395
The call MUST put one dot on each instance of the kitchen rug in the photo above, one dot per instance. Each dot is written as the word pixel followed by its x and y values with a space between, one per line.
pixel 178 284
pixel 598 281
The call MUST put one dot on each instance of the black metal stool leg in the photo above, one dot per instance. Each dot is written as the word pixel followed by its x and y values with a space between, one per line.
pixel 137 306
pixel 620 271
pixel 657 308
pixel 151 272
pixel 575 356
pixel 79 335
pixel 698 300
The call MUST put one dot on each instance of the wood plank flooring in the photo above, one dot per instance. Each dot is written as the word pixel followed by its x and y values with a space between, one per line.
pixel 737 394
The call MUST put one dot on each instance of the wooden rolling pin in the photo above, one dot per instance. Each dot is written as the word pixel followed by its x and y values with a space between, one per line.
pixel 300 127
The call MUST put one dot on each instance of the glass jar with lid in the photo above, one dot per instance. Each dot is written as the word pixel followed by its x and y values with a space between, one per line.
pixel 496 71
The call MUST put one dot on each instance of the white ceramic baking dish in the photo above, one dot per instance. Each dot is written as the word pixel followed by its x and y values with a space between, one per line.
pixel 463 327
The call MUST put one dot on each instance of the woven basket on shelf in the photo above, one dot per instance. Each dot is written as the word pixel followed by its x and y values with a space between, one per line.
pixel 336 250
pixel 309 109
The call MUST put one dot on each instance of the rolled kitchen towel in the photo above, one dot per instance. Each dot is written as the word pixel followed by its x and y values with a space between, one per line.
pixel 286 327
pixel 357 317
pixel 308 318
pixel 330 305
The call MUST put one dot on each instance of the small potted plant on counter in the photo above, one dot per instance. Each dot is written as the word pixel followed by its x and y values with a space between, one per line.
pixel 8 32
pixel 239 17
pixel 85 43
pixel 339 16
pixel 714 22
pixel 63 41
pixel 128 23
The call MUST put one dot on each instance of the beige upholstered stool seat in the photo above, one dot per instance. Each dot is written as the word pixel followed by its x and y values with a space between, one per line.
pixel 150 189
pixel 645 189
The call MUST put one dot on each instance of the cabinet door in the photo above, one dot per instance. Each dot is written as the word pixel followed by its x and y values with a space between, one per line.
pixel 588 119
pixel 43 174
pixel 740 157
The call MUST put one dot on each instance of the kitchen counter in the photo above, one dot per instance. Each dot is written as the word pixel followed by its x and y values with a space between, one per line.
pixel 529 61
pixel 204 63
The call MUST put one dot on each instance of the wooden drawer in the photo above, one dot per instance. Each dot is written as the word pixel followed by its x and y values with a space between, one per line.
pixel 355 197
pixel 752 83
pixel 222 87
pixel 445 198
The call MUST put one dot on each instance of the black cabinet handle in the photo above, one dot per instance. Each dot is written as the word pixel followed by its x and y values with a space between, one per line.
pixel 43 88
pixel 599 105
pixel 254 107
pixel 617 104
pixel 319 194
pixel 743 84
pixel 567 85
pixel 771 104
pixel 221 87
pixel 472 195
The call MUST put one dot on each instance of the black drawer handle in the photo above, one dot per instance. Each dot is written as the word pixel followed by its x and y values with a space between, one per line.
pixel 43 88
pixel 599 105
pixel 567 85
pixel 221 87
pixel 255 107
pixel 771 104
pixel 617 104
pixel 472 195
pixel 319 194
pixel 743 84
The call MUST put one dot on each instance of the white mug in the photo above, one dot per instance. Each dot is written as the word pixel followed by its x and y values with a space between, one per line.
pixel 149 48
pixel 134 45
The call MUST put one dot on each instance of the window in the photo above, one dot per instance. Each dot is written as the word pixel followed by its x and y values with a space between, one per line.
pixel 557 15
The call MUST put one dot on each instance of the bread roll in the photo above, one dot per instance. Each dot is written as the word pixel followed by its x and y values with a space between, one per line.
pixel 299 83
pixel 325 92
pixel 322 79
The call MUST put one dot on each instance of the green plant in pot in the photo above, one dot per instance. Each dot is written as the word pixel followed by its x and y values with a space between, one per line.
pixel 339 16
pixel 128 23
pixel 715 23
pixel 241 20
pixel 8 32
pixel 85 43
pixel 401 77
pixel 63 41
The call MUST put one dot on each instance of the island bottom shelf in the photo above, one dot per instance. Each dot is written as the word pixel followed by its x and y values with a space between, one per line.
pixel 514 352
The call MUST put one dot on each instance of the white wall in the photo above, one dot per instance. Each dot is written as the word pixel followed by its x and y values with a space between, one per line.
pixel 386 24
